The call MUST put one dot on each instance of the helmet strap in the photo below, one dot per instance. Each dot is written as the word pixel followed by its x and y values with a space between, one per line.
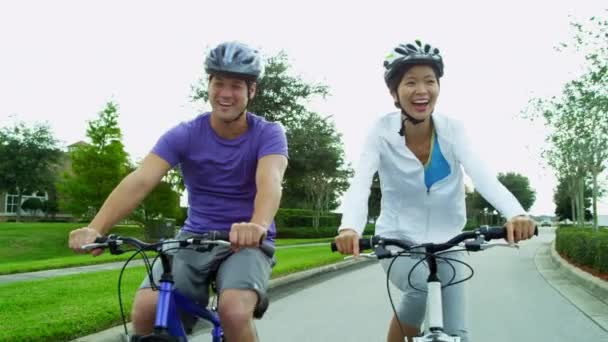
pixel 407 117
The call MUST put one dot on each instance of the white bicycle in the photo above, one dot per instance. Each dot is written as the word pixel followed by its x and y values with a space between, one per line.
pixel 471 241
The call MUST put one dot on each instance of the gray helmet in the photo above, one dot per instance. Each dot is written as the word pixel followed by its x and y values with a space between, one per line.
pixel 410 54
pixel 234 58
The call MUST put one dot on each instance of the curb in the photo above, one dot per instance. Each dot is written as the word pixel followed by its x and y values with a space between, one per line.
pixel 575 286
pixel 276 285
pixel 595 286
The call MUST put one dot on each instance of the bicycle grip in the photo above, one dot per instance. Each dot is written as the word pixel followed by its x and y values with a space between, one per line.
pixel 500 233
pixel 220 235
pixel 101 239
pixel 363 244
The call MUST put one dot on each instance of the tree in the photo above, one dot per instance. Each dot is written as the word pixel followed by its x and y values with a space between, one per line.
pixel 375 198
pixel 593 90
pixel 564 204
pixel 579 119
pixel 30 155
pixel 50 207
pixel 517 184
pixel 317 168
pixel 160 204
pixel 317 173
pixel 96 167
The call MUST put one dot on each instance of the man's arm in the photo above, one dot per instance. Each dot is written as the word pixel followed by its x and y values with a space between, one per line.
pixel 130 192
pixel 121 202
pixel 268 178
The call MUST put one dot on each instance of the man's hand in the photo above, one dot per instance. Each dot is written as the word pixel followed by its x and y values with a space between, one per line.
pixel 83 236
pixel 520 228
pixel 246 234
pixel 348 242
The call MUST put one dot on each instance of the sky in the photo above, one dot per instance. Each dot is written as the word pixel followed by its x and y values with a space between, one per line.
pixel 61 61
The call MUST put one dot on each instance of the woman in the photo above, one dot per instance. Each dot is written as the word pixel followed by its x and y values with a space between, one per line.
pixel 418 155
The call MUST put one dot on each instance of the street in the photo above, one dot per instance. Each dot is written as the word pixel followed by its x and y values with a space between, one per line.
pixel 508 301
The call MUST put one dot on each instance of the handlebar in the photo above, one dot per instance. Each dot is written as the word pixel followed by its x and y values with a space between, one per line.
pixel 479 235
pixel 113 242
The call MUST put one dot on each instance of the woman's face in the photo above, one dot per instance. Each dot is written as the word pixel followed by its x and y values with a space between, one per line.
pixel 418 91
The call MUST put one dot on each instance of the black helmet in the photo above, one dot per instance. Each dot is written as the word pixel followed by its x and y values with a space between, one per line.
pixel 236 59
pixel 410 54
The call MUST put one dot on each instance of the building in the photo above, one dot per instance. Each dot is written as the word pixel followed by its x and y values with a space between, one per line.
pixel 9 201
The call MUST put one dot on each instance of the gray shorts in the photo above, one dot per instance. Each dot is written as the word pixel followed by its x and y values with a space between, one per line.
pixel 193 271
pixel 412 308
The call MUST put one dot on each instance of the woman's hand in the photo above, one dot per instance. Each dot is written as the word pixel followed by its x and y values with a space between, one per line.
pixel 520 228
pixel 347 242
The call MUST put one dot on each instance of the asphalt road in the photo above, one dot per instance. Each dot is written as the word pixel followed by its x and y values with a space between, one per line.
pixel 508 301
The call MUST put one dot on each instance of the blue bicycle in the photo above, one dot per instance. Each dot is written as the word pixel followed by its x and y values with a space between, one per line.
pixel 168 326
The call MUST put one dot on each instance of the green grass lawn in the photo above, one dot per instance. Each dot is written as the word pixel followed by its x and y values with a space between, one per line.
pixel 289 242
pixel 63 308
pixel 43 246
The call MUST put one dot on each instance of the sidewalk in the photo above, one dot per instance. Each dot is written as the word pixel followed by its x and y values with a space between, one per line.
pixel 588 293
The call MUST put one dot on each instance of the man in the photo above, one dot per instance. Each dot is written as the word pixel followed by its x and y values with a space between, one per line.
pixel 233 164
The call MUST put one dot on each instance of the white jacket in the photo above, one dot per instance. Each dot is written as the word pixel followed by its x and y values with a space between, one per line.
pixel 408 210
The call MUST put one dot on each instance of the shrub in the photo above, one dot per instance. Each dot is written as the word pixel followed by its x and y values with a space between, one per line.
pixel 584 246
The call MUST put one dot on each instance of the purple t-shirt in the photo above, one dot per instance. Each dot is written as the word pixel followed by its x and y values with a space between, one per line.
pixel 219 173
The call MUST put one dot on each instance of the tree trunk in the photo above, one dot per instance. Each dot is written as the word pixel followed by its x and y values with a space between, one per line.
pixel 572 208
pixel 595 191
pixel 316 215
pixel 19 197
pixel 581 195
pixel 573 194
pixel 577 216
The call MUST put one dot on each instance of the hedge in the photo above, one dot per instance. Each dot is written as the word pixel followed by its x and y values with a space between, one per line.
pixel 584 246
pixel 304 218
pixel 309 232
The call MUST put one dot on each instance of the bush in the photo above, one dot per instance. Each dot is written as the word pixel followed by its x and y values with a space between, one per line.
pixel 182 215
pixel 32 204
pixel 305 232
pixel 159 229
pixel 297 218
pixel 310 233
pixel 471 224
pixel 50 207
pixel 584 246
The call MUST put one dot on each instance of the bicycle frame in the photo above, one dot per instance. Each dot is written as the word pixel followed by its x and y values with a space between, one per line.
pixel 434 305
pixel 168 325
pixel 168 322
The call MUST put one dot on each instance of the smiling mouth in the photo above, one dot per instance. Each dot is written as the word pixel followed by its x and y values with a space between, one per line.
pixel 420 106
pixel 224 104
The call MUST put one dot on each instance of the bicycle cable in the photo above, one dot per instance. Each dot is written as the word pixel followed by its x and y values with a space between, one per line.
pixel 122 313
pixel 427 254
pixel 388 289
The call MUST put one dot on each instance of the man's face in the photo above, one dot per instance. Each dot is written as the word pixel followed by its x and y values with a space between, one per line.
pixel 228 96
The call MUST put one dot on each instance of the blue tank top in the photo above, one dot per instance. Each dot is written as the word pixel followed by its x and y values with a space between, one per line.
pixel 436 168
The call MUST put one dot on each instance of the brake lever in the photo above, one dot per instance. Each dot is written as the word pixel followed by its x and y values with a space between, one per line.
pixel 508 245
pixel 92 246
pixel 363 255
